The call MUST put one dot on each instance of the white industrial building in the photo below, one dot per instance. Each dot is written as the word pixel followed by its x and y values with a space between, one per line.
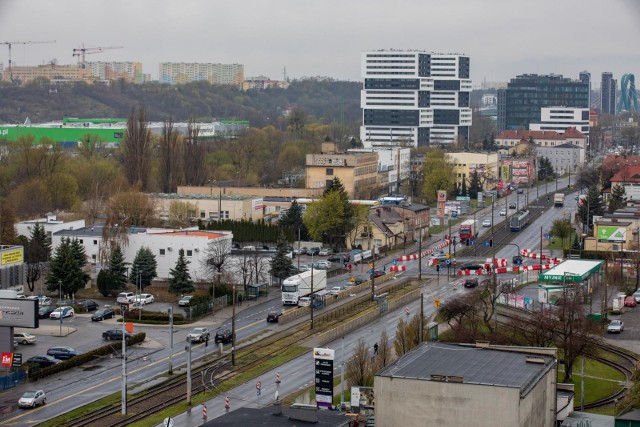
pixel 413 98
pixel 50 224
pixel 164 244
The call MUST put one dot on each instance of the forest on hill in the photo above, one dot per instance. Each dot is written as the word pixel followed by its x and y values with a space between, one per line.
pixel 324 101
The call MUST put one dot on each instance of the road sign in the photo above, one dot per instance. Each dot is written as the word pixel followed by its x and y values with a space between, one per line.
pixel 258 392
pixel 394 261
pixel 168 422
pixel 454 214
pixel 258 385
pixel 448 256
pixel 17 360
pixel 448 262
pixel 436 302
pixel 487 243
pixel 471 242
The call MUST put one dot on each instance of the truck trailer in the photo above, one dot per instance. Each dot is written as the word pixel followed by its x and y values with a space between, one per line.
pixel 298 286
pixel 558 200
pixel 468 230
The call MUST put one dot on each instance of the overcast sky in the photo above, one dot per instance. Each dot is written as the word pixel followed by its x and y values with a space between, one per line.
pixel 504 38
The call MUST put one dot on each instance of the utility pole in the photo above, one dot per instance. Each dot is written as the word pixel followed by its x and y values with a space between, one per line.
pixel 420 255
pixel 233 327
pixel 124 367
pixel 171 339
pixel 188 351
pixel 312 296
pixel 421 317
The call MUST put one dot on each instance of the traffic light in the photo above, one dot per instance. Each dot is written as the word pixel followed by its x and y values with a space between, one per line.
pixel 438 267
pixel 548 198
pixel 454 240
pixel 490 243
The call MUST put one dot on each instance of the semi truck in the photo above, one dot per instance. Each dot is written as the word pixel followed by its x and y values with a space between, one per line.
pixel 558 200
pixel 298 286
pixel 468 230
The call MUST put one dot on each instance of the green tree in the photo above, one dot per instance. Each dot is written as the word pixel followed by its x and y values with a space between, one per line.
pixel 103 282
pixel 590 207
pixel 545 169
pixel 293 218
pixel 179 278
pixel 326 215
pixel 438 174
pixel 618 198
pixel 475 186
pixel 117 269
pixel 66 269
pixel 463 187
pixel 144 267
pixel 36 254
pixel 281 264
pixel 561 229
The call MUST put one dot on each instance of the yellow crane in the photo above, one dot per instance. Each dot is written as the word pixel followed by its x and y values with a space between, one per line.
pixel 9 44
pixel 80 52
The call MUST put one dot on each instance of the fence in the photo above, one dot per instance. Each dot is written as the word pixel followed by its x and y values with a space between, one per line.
pixel 194 311
pixel 12 379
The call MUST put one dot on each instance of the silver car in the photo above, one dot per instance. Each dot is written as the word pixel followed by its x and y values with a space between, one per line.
pixel 31 399
pixel 25 338
pixel 615 327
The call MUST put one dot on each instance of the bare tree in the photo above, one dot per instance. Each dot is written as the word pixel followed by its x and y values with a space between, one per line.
pixel 536 330
pixel 194 156
pixel 359 367
pixel 137 149
pixel 384 355
pixel 181 214
pixel 403 342
pixel 170 159
pixel 217 256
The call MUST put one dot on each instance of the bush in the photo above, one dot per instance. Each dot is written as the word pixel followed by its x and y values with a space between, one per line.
pixel 155 316
pixel 36 372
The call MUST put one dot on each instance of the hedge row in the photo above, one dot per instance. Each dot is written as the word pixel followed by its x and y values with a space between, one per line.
pixel 133 315
pixel 36 372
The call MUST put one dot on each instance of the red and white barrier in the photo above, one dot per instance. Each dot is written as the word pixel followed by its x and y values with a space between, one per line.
pixel 397 268
pixel 527 253
pixel 424 253
pixel 502 270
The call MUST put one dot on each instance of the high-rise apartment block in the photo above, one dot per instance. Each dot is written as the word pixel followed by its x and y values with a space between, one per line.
pixel 129 71
pixel 521 102
pixel 180 72
pixel 415 98
pixel 608 93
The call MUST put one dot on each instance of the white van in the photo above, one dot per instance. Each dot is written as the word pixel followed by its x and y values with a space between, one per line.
pixel 126 297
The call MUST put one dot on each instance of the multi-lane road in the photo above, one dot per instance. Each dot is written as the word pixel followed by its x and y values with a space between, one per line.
pixel 76 388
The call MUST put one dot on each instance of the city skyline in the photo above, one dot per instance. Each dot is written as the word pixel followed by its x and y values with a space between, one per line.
pixel 503 38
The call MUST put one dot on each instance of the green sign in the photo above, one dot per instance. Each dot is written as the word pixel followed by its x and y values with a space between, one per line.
pixel 608 233
pixel 566 278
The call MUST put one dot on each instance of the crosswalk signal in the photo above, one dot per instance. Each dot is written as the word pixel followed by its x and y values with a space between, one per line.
pixel 490 243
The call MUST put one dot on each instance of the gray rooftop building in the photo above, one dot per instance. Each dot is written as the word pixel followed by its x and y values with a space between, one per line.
pixel 456 385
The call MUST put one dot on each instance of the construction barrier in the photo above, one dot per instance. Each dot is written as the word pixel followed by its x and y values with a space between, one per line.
pixel 397 268
pixel 424 253
pixel 502 270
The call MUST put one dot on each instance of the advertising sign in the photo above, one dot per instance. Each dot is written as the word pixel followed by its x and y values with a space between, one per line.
pixel 323 362
pixel 608 233
pixel 520 172
pixel 7 359
pixel 361 396
pixel 520 165
pixel 13 256
pixel 505 172
pixel 19 312
pixel 257 204
pixel 442 196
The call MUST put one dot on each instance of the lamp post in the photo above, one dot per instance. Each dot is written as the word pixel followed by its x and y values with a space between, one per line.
pixel 312 296
pixel 233 323
pixel 124 367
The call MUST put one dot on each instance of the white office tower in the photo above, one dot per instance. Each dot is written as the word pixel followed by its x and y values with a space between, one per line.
pixel 413 98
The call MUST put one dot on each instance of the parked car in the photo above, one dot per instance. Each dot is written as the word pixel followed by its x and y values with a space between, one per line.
pixel 503 212
pixel 440 257
pixel 340 257
pixel 324 265
pixel 126 297
pixel 302 268
pixel 512 206
pixel 62 353
pixel 520 191
pixel 31 399
pixel 199 335
pixel 304 301
pixel 88 305
pixel 64 311
pixel 313 251
pixel 471 282
pixel 273 316
pixel 144 299
pixel 45 312
pixel 630 301
pixel 25 338
pixel 615 327
pixel 486 223
pixel 325 252
pixel 43 300
pixel 105 313
pixel 114 334
pixel 300 251
pixel 43 361
pixel 223 336
pixel 636 295
pixel 185 300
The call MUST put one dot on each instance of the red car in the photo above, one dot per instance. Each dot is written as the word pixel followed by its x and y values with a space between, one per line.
pixel 630 301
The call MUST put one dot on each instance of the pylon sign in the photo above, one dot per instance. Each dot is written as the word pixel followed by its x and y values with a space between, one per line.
pixel 323 364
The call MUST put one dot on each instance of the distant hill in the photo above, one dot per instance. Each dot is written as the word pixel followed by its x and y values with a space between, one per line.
pixel 325 101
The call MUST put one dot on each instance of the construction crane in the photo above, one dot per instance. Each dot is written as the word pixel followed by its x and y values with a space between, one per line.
pixel 80 52
pixel 9 44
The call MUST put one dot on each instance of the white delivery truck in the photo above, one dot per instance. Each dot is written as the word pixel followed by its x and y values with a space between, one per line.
pixel 295 287
pixel 558 200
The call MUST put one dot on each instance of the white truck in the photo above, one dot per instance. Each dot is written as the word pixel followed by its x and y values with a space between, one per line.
pixel 295 287
pixel 558 200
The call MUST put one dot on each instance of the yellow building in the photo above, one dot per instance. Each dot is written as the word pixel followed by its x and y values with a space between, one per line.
pixel 52 72
pixel 358 172
pixel 485 164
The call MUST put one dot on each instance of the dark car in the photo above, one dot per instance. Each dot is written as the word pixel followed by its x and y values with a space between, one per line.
pixel 114 334
pixel 338 258
pixel 87 305
pixel 472 267
pixel 62 353
pixel 471 282
pixel 105 313
pixel 44 312
pixel 43 361
pixel 520 191
pixel 313 251
pixel 273 316
pixel 378 273
pixel 512 205
pixel 359 279
pixel 223 336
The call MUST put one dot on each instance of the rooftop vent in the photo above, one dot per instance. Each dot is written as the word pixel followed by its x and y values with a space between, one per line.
pixel 532 359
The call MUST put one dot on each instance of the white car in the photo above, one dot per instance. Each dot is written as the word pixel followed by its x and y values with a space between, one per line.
pixel 324 265
pixel 144 299
pixel 126 297
pixel 31 399
pixel 304 301
pixel 44 300
pixel 64 311
pixel 616 326
pixel 503 212
pixel 25 338
pixel 636 295
pixel 185 300
pixel 198 335
pixel 336 290
pixel 486 223
pixel 325 251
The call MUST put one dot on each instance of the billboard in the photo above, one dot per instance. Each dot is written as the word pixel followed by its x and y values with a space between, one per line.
pixel 505 172
pixel 323 363
pixel 609 233
pixel 12 256
pixel 257 204
pixel 520 165
pixel 19 312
